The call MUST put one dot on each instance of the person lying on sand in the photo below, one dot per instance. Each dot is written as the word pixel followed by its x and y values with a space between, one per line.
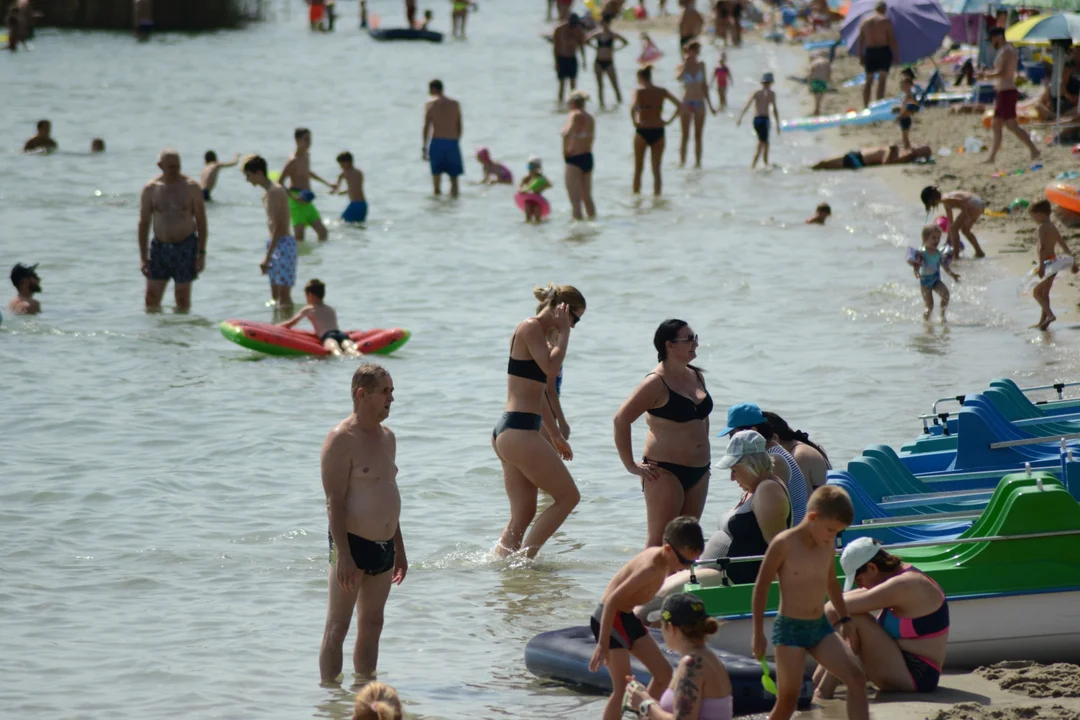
pixel 869 157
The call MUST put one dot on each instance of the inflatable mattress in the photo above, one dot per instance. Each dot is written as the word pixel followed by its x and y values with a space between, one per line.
pixel 564 655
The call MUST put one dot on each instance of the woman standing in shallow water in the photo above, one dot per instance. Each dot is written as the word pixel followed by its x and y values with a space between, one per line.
pixel 529 462
pixel 674 469
pixel 646 112
pixel 696 98
pixel 578 134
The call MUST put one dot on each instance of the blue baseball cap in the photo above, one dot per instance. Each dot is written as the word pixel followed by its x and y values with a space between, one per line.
pixel 743 415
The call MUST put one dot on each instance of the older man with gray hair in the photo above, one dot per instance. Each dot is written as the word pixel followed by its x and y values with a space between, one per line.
pixel 171 203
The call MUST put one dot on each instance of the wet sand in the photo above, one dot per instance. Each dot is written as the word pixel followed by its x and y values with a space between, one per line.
pixel 1009 239
pixel 967 696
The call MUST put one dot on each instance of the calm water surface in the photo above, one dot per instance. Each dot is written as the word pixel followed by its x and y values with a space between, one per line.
pixel 164 547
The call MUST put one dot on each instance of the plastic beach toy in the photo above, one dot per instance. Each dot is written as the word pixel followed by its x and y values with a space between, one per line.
pixel 766 679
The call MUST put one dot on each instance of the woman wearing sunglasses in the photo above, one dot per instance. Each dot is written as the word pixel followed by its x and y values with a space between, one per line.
pixel 674 469
pixel 531 463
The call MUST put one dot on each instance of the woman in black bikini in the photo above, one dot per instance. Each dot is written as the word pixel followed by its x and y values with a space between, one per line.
pixel 603 41
pixel 578 134
pixel 645 112
pixel 529 462
pixel 674 470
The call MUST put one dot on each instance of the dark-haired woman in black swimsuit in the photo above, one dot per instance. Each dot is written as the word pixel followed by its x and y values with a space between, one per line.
pixel 645 111
pixel 603 41
pixel 530 463
pixel 674 470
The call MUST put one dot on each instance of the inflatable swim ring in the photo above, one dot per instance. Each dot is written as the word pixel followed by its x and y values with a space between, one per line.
pixel 650 55
pixel 276 340
pixel 521 198
pixel 1064 196
pixel 1024 115
pixel 1050 268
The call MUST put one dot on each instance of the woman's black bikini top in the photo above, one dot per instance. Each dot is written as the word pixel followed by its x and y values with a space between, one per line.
pixel 528 369
pixel 680 408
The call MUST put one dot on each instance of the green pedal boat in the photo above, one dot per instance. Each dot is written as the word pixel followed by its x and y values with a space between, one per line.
pixel 1012 580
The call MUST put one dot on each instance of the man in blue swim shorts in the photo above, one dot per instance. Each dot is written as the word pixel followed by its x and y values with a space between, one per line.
pixel 280 261
pixel 172 204
pixel 442 138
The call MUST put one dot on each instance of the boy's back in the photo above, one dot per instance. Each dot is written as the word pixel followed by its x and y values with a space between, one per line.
pixel 1049 237
pixel 322 317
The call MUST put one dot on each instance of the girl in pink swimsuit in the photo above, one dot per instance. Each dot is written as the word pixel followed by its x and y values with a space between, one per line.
pixel 685 626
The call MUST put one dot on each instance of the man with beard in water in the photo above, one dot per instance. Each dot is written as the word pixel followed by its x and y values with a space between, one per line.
pixel 367 553
pixel 27 283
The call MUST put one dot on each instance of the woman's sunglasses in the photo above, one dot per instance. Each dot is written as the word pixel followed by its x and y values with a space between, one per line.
pixel 574 318
pixel 689 338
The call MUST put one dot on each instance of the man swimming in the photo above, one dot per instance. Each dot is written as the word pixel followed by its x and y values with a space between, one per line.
pixel 27 284
pixel 42 141
pixel 298 173
pixel 173 204
pixel 208 178
pixel 442 138
pixel 367 553
pixel 353 178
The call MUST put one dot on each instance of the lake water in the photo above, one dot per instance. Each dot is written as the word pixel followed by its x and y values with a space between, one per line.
pixel 164 546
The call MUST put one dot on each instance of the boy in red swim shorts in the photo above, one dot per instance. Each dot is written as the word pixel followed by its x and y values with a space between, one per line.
pixel 315 13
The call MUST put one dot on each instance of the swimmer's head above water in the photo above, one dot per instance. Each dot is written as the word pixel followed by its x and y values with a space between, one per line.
pixel 25 279
pixel 210 157
pixel 97 145
pixel 345 160
pixel 535 164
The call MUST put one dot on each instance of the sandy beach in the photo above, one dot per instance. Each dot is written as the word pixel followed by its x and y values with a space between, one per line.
pixel 1009 239
pixel 975 696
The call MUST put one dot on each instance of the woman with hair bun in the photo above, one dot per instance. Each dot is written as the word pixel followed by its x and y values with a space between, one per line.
pixel 674 468
pixel 530 463
pixel 809 456
pixel 700 688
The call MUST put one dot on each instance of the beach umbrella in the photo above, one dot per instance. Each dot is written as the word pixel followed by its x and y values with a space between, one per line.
pixel 1043 29
pixel 919 25
pixel 965 28
pixel 966 7
pixel 1065 5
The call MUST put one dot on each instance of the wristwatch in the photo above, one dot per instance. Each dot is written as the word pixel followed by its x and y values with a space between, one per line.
pixel 841 621
pixel 643 708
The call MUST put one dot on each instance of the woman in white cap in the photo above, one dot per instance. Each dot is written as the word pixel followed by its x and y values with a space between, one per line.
pixel 674 468
pixel 903 649
pixel 761 514
pixel 701 686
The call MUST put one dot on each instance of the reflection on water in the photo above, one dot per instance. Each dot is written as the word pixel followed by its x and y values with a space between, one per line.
pixel 162 510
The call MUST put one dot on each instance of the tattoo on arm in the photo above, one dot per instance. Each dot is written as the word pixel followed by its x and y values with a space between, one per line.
pixel 687 693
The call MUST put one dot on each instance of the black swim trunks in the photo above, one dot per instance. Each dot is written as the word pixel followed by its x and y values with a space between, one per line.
pixel 337 335
pixel 566 67
pixel 583 162
pixel 626 629
pixel 877 59
pixel 205 195
pixel 854 160
pixel 174 261
pixel 905 123
pixel 373 557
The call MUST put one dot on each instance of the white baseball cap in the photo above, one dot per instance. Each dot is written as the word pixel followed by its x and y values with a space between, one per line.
pixel 742 443
pixel 857 553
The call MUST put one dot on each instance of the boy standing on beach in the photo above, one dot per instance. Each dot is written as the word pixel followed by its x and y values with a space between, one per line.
pixel 356 212
pixel 804 559
pixel 324 319
pixel 619 633
pixel 762 100
pixel 820 74
pixel 1048 239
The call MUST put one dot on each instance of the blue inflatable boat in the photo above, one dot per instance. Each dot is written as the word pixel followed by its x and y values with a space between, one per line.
pixel 564 655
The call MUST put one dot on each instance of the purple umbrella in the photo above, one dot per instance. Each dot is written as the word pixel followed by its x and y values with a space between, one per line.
pixel 920 26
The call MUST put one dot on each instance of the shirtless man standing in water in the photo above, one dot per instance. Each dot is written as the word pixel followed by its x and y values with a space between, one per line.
pixel 367 553
pixel 173 204
pixel 298 174
pixel 442 138
pixel 280 261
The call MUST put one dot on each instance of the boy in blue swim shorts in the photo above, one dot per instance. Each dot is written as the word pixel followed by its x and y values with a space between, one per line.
pixel 279 263
pixel 804 560
pixel 763 100
pixel 356 212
